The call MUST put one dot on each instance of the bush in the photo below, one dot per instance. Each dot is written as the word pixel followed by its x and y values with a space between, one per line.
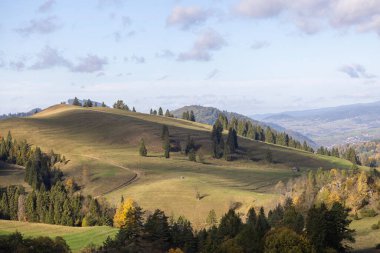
pixel 377 246
pixel 368 212
pixel 375 226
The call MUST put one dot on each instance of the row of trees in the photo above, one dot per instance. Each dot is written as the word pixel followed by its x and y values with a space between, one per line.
pixel 87 103
pixel 160 112
pixel 189 116
pixel 17 243
pixel 348 154
pixel 59 205
pixel 189 149
pixel 119 104
pixel 39 167
pixel 253 131
pixel 285 229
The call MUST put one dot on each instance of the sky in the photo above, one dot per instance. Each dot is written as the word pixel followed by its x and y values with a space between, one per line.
pixel 246 56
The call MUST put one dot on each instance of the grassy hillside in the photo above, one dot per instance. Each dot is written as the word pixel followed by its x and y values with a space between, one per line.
pixel 101 146
pixel 366 238
pixel 76 237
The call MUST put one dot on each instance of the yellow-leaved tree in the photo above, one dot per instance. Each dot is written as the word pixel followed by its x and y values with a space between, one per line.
pixel 120 218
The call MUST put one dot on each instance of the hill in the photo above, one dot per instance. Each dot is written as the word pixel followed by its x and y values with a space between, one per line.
pixel 334 125
pixel 208 115
pixel 101 145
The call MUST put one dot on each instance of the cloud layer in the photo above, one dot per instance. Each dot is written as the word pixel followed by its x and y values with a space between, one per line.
pixel 311 16
pixel 50 58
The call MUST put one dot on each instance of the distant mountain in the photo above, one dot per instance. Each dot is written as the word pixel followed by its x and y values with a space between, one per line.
pixel 208 115
pixel 333 125
pixel 96 104
pixel 20 114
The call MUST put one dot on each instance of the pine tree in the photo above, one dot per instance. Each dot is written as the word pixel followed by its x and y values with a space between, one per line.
pixel 167 113
pixel 103 104
pixel 142 150
pixel 192 116
pixel 134 109
pixel 151 111
pixel 76 102
pixel 160 112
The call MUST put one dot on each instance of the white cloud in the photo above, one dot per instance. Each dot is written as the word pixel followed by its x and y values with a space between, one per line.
pixel 40 26
pixel 185 17
pixel 356 71
pixel 201 50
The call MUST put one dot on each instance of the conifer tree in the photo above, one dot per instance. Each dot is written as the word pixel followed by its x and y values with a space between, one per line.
pixel 142 149
pixel 192 116
pixel 76 102
pixel 160 112
pixel 134 109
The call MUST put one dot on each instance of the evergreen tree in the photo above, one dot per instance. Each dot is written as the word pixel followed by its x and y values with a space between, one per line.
pixel 160 112
pixel 157 230
pixel 142 149
pixel 192 116
pixel 217 140
pixel 76 102
pixel 103 104
pixel 134 109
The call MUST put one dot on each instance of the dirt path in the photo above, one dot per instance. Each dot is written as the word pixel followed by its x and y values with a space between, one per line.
pixel 135 177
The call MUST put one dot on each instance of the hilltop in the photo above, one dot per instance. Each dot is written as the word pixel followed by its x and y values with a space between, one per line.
pixel 101 145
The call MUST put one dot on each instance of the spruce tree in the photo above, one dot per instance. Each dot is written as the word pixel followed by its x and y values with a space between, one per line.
pixel 142 149
pixel 192 116
pixel 76 102
pixel 134 109
pixel 160 112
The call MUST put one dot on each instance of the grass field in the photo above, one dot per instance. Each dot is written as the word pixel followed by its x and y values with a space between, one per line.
pixel 101 146
pixel 366 238
pixel 76 237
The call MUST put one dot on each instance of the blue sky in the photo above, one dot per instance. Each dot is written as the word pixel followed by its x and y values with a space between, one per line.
pixel 248 56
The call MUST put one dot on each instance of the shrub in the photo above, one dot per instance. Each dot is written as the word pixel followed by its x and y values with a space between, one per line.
pixel 377 246
pixel 375 226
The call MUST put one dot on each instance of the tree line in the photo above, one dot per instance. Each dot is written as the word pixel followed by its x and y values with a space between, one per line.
pixel 40 167
pixel 53 200
pixel 284 229
pixel 247 128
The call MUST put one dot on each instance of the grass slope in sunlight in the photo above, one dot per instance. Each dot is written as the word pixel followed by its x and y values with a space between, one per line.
pixel 76 237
